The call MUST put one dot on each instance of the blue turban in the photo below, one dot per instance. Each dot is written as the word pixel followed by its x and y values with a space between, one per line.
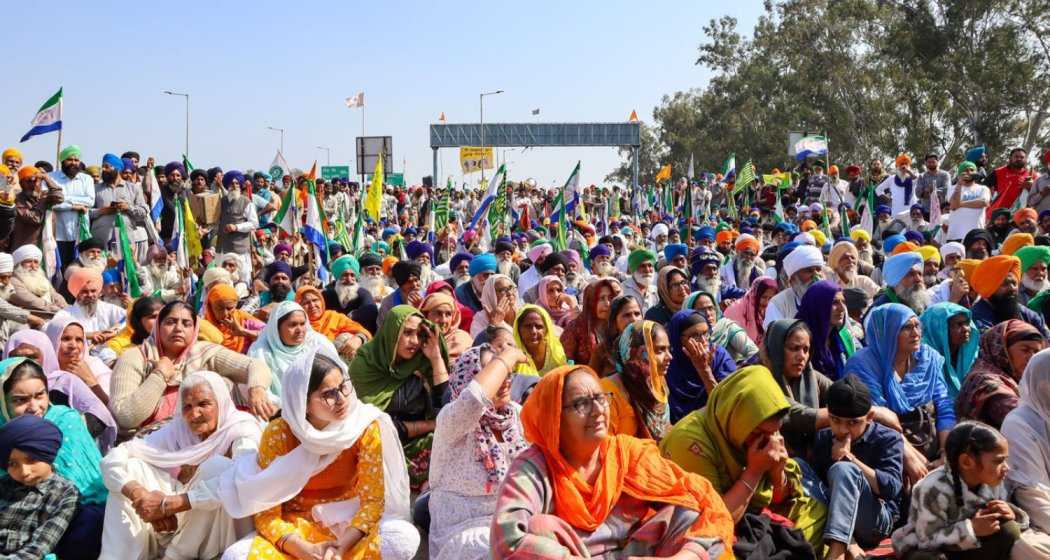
pixel 898 266
pixel 459 258
pixel 417 248
pixel 706 233
pixel 110 276
pixel 113 161
pixel 129 164
pixel 276 267
pixel 786 227
pixel 892 241
pixel 485 262
pixel 673 250
pixel 30 434
pixel 387 232
pixel 173 167
pixel 975 153
pixel 883 209
pixel 915 236
pixel 700 257
pixel 229 176
pixel 411 231
pixel 344 263
pixel 600 250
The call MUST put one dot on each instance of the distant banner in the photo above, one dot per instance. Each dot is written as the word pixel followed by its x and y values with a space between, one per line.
pixel 473 158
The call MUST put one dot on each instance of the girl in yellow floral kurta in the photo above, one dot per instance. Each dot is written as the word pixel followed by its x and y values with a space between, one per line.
pixel 356 473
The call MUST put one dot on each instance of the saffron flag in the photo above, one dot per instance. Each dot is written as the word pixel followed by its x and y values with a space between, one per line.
pixel 633 117
pixel 663 174
pixel 48 118
pixel 374 198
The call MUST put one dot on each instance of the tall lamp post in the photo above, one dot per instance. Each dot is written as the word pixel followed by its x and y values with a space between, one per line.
pixel 328 154
pixel 187 96
pixel 481 121
pixel 281 130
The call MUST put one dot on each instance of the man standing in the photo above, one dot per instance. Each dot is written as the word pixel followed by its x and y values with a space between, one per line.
pixel 967 202
pixel 900 187
pixel 932 178
pixel 79 192
pixel 1008 181
pixel 113 196
pixel 31 204
pixel 262 197
pixel 237 221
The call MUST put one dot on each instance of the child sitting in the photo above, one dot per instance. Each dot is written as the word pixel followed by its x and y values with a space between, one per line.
pixel 35 503
pixel 860 462
pixel 959 511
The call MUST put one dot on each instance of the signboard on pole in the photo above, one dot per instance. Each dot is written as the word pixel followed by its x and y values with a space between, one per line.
pixel 368 150
pixel 394 179
pixel 473 158
pixel 329 172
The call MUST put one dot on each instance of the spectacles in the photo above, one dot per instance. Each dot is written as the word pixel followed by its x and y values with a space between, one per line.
pixel 504 291
pixel 680 284
pixel 332 396
pixel 584 405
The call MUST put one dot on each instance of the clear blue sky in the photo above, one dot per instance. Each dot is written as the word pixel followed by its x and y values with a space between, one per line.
pixel 249 65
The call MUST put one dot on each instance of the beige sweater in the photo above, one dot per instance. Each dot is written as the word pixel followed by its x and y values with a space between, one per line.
pixel 135 393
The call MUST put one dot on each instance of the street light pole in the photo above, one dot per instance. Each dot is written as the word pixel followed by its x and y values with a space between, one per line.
pixel 481 123
pixel 328 152
pixel 281 130
pixel 187 96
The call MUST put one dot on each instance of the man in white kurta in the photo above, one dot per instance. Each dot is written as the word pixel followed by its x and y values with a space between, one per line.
pixel 101 321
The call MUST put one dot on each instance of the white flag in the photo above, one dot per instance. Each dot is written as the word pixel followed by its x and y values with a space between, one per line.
pixel 356 101
pixel 279 167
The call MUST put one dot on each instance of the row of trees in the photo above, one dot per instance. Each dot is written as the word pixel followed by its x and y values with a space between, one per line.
pixel 879 76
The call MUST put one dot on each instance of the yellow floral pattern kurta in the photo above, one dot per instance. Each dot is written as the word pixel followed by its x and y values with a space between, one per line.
pixel 358 472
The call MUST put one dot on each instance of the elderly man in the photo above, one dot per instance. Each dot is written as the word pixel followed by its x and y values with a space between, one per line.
pixel 803 267
pixel 676 255
pixel 996 280
pixel 658 237
pixel 101 320
pixel 409 289
pixel 31 204
pixel 531 277
pixel 231 263
pixel 159 278
pixel 79 192
pixel 641 266
pixel 899 186
pixel 459 268
pixel 32 289
pixel 112 197
pixel 931 264
pixel 12 158
pixel 237 221
pixel 481 267
pixel 903 274
pixel 12 317
pixel 745 265
pixel 505 259
pixel 372 277
pixel 843 268
pixel 1034 262
pixel 1026 220
pixel 951 253
pixel 346 296
pixel 423 255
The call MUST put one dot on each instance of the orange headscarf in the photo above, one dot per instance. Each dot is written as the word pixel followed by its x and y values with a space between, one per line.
pixel 632 466
pixel 989 275
pixel 226 292
pixel 331 324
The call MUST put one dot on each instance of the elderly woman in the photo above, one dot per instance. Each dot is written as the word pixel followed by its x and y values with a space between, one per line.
pixel 581 492
pixel 239 328
pixel 990 391
pixel 141 316
pixel 466 314
pixel 638 406
pixel 749 310
pixel 537 336
pixel 287 337
pixel 581 335
pixel 724 331
pixel 948 328
pixel 404 372
pixel 499 303
pixel 146 379
pixel 905 376
pixel 1027 428
pixel 440 308
pixel 25 391
pixel 163 498
pixel 697 365
pixel 623 311
pixel 735 443
pixel 478 435
pixel 346 334
pixel 551 296
pixel 672 285
pixel 823 309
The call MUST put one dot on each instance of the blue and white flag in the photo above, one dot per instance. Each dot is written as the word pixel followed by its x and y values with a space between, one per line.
pixel 48 118
pixel 490 195
pixel 811 146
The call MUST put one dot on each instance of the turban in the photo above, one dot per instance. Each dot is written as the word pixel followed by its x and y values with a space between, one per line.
pixel 411 231
pixel 974 154
pixel 883 209
pixel 991 273
pixel 217 274
pixel 388 264
pixel 898 266
pixel 853 170
pixel 930 253
pixel 113 161
pixel 83 277
pixel 89 244
pixel 417 248
pixel 7 264
pixel 603 250
pixel 915 237
pixel 816 207
pixel 979 235
pixel 808 225
pixel 480 264
pixel 639 256
pixel 32 435
pixel 804 256
pixel 673 250
pixel 1033 254
pixel 277 267
pixel 69 151
pixel 382 245
pixel 455 261
pixel 805 238
pixel 110 276
pixel 537 252
pixel 724 236
pixel 838 250
pixel 91 169
pixel 658 230
pixel 849 397
pixel 904 247
pixel 344 263
pixel 503 245
pixel 1025 214
pixel 819 239
pixel 27 172
pixel 404 270
pixel 571 256
pixel 27 252
pixel 553 260
pixel 1015 241
pixel 860 233
pixel 968 267
pixel 11 152
pixel 706 233
pixel 952 248
pixel 833 170
pixel 128 165
pixel 282 248
pixel 701 257
pixel 903 160
pixel 174 166
pixel 892 241
pixel 966 167
pixel 370 259
pixel 229 176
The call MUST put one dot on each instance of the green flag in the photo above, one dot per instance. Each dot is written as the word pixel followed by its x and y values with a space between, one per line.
pixel 128 256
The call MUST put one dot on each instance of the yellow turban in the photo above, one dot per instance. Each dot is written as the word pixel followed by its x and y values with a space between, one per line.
pixel 11 152
pixel 859 234
pixel 818 236
pixel 968 267
pixel 930 253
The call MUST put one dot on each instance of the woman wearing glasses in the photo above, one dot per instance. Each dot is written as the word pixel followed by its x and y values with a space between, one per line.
pixel 697 364
pixel 639 388
pixel 672 285
pixel 581 492
pixel 329 480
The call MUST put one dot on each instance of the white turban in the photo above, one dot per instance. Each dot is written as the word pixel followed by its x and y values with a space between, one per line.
pixel 26 252
pixel 540 251
pixel 804 256
pixel 658 230
pixel 805 238
pixel 952 248
pixel 7 265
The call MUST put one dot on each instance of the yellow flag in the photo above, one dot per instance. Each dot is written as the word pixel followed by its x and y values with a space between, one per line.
pixel 664 173
pixel 374 200
pixel 193 236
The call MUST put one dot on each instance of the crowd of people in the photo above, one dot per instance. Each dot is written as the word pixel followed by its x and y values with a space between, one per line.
pixel 837 367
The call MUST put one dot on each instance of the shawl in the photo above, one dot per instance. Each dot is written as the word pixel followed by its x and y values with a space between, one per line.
pixel 628 466
pixel 826 348
pixel 583 330
pixel 555 355
pixel 376 371
pixel 640 375
pixel 466 314
pixel 1028 427
pixel 992 376
pixel 279 356
pixel 935 333
pixel 686 392
pixel 803 390
pixel 745 311
pixel 560 312
pixel 724 330
pixel 226 292
pixel 330 324
pixel 457 340
pixel 488 451
pixel 54 331
pixel 663 286
pixel 488 301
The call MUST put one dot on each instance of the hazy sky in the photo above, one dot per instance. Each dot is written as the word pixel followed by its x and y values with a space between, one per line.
pixel 249 65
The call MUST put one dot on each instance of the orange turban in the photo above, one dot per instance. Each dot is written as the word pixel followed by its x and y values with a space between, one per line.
pixel 808 225
pixel 991 273
pixel 1015 241
pixel 833 170
pixel 388 264
pixel 83 277
pixel 968 266
pixel 1026 214
pixel 724 236
pixel 905 247
pixel 902 161
pixel 748 242
pixel 27 171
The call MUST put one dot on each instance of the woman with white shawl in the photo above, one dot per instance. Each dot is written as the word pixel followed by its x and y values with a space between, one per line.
pixel 1027 429
pixel 329 478
pixel 163 488
pixel 285 340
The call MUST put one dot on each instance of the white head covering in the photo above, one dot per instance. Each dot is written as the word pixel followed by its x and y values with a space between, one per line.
pixel 658 230
pixel 26 252
pixel 175 444
pixel 246 489
pixel 1027 427
pixel 803 256
pixel 952 248
pixel 7 264
pixel 539 251
pixel 231 257
pixel 805 238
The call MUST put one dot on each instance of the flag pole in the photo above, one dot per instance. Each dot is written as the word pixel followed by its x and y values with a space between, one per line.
pixel 58 150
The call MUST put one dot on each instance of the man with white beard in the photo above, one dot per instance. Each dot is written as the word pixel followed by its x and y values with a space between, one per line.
pixel 31 288
pixel 658 237
pixel 101 321
pixel 372 278
pixel 231 262
pixel 237 220
pixel 160 278
pixel 505 259
pixel 602 264
pixel 704 263
pixel 745 266
pixel 842 268
pixel 1034 261
pixel 12 317
pixel 346 296
pixel 459 266
pixel 641 265
pixel 423 254
pixel 803 267
pixel 903 274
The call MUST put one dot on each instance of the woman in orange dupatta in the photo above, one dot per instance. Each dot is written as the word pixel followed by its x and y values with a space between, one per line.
pixel 580 492
pixel 346 334
pixel 441 309
pixel 238 328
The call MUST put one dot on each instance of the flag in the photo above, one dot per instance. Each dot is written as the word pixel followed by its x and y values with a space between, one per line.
pixel 663 174
pixel 729 169
pixel 287 216
pixel 811 146
pixel 867 220
pixel 687 208
pixel 441 208
pixel 49 247
pixel 156 200
pixel 356 101
pixel 193 236
pixel 187 237
pixel 313 230
pixel 127 255
pixel 374 199
pixel 935 208
pixel 571 187
pixel 187 165
pixel 498 210
pixel 746 177
pixel 490 196
pixel 48 118
pixel 689 175
pixel 535 111
pixel 279 168
pixel 359 237
pixel 633 117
